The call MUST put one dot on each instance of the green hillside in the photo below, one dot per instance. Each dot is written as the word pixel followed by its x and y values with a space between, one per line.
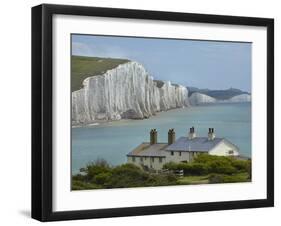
pixel 83 67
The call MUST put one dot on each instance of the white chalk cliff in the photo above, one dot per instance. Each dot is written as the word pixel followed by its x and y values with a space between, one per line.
pixel 241 98
pixel 200 98
pixel 126 91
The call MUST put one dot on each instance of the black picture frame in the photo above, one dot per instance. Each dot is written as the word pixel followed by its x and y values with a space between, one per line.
pixel 42 107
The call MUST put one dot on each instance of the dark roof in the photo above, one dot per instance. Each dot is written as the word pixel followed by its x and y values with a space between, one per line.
pixel 148 150
pixel 196 144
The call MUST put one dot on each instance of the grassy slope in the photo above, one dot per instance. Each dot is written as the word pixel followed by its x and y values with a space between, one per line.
pixel 204 179
pixel 83 67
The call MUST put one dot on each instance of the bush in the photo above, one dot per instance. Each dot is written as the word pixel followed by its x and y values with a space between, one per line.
pixel 123 176
pixel 222 167
pixel 95 168
pixel 215 178
pixel 204 164
pixel 127 175
pixel 171 166
pixel 100 174
pixel 102 178
pixel 195 169
pixel 221 178
pixel 241 165
pixel 81 185
pixel 162 180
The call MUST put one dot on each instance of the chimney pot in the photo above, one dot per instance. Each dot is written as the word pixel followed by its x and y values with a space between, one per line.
pixel 211 134
pixel 192 133
pixel 153 136
pixel 171 136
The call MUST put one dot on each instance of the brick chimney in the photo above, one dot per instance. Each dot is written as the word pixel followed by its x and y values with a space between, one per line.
pixel 211 134
pixel 153 136
pixel 171 136
pixel 191 134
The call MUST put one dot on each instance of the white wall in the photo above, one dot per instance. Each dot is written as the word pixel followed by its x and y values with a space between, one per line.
pixel 147 161
pixel 222 149
pixel 15 111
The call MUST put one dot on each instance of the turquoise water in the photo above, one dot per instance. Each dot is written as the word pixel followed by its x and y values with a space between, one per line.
pixel 114 140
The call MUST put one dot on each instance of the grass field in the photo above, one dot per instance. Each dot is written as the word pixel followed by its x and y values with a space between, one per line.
pixel 239 177
pixel 83 67
pixel 194 179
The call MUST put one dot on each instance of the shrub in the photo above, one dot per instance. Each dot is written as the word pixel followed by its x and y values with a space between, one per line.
pixel 80 185
pixel 102 178
pixel 127 175
pixel 215 178
pixel 222 167
pixel 95 168
pixel 161 179
pixel 221 178
pixel 241 165
pixel 205 164
pixel 195 169
pixel 171 166
pixel 78 177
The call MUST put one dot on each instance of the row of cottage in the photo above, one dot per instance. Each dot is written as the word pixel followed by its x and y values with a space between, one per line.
pixel 153 155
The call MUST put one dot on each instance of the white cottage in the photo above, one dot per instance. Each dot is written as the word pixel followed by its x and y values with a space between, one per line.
pixel 154 155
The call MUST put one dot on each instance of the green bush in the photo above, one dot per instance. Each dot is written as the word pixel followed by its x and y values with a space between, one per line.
pixel 241 165
pixel 99 175
pixel 95 168
pixel 171 166
pixel 127 175
pixel 215 178
pixel 161 179
pixel 204 164
pixel 218 169
pixel 221 178
pixel 81 185
pixel 222 167
pixel 102 178
pixel 195 169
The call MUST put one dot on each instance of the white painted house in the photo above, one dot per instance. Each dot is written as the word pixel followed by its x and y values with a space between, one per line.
pixel 154 155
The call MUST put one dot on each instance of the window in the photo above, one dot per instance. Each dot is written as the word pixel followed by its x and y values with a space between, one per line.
pixel 152 159
pixel 133 159
pixel 180 153
pixel 141 159
pixel 160 160
pixel 172 153
pixel 231 152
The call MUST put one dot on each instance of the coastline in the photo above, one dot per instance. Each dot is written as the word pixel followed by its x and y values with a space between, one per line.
pixel 97 123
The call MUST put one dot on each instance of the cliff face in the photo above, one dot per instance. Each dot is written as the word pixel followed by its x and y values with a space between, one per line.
pixel 126 91
pixel 241 98
pixel 199 98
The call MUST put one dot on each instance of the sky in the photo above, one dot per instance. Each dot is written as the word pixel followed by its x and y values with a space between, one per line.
pixel 201 64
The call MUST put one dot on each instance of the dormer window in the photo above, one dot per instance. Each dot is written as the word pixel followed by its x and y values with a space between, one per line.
pixel 230 152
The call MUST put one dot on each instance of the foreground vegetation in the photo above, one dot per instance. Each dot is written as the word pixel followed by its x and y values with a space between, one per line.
pixel 203 170
pixel 83 67
pixel 100 175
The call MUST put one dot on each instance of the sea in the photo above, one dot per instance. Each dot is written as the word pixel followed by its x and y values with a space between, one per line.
pixel 112 141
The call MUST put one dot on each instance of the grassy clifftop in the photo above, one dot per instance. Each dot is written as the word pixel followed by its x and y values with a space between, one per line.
pixel 83 67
